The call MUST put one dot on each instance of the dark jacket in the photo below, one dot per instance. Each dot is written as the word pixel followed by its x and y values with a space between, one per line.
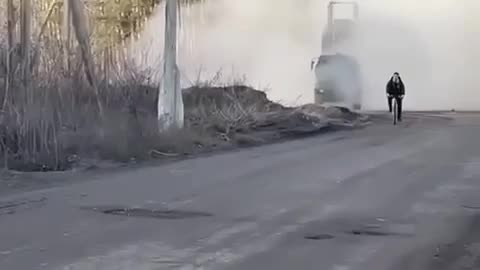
pixel 396 89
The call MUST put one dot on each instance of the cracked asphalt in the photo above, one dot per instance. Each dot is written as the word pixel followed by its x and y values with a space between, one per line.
pixel 379 198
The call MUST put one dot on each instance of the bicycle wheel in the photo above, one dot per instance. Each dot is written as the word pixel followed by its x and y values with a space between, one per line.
pixel 395 111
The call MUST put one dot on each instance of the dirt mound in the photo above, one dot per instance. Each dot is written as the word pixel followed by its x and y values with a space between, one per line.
pixel 245 116
pixel 228 96
pixel 331 112
pixel 225 109
pixel 288 123
pixel 233 103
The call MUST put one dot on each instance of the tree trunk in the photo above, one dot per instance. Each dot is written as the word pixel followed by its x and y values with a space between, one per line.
pixel 170 102
pixel 25 40
pixel 67 35
pixel 10 50
pixel 80 26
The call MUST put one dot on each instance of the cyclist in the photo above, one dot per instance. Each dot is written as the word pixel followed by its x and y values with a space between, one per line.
pixel 395 90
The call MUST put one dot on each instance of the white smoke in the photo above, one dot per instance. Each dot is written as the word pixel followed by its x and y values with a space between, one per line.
pixel 433 44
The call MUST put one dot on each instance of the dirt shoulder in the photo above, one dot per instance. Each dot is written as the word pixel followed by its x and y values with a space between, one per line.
pixel 217 119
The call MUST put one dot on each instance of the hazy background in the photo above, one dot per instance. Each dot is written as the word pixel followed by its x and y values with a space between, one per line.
pixel 432 43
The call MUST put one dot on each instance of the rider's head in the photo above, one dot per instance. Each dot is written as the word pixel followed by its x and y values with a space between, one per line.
pixel 396 76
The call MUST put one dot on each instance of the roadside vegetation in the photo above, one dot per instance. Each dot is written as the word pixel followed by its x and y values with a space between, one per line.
pixel 59 111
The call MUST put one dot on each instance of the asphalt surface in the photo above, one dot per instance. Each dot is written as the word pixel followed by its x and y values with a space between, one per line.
pixel 380 198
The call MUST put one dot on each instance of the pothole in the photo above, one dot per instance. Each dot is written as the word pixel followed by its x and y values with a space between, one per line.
pixel 382 228
pixel 319 237
pixel 150 213
pixel 367 232
pixel 471 207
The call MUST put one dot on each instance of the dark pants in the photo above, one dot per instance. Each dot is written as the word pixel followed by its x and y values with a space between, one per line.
pixel 399 105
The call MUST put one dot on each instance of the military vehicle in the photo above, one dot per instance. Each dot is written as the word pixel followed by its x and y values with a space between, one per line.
pixel 337 73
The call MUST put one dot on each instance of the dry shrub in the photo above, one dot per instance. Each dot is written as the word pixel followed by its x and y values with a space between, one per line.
pixel 56 118
pixel 225 109
pixel 56 123
pixel 60 122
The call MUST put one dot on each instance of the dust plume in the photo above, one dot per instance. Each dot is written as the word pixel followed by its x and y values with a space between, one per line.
pixel 432 44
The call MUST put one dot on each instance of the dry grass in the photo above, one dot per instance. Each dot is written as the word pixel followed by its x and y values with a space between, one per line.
pixel 54 114
pixel 57 122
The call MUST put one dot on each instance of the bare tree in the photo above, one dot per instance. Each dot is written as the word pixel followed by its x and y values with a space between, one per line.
pixel 25 40
pixel 170 102
pixel 67 33
pixel 79 21
pixel 10 49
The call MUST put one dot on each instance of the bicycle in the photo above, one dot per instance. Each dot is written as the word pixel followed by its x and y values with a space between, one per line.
pixel 395 110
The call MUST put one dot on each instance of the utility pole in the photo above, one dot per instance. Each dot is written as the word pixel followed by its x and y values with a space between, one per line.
pixel 170 102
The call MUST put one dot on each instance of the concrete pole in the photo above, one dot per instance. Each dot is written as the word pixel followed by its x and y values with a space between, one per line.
pixel 170 102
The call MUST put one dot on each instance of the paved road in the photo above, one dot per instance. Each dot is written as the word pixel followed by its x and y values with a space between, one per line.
pixel 382 198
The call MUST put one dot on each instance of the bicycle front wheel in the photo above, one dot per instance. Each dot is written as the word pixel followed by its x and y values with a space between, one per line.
pixel 395 111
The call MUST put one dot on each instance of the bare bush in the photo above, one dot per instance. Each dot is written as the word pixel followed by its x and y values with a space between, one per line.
pixel 60 125
pixel 58 120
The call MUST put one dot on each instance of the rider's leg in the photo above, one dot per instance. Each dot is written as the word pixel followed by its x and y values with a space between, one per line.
pixel 399 105
pixel 389 100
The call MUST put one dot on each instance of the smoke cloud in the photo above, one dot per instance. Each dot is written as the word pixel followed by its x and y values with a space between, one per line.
pixel 433 44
